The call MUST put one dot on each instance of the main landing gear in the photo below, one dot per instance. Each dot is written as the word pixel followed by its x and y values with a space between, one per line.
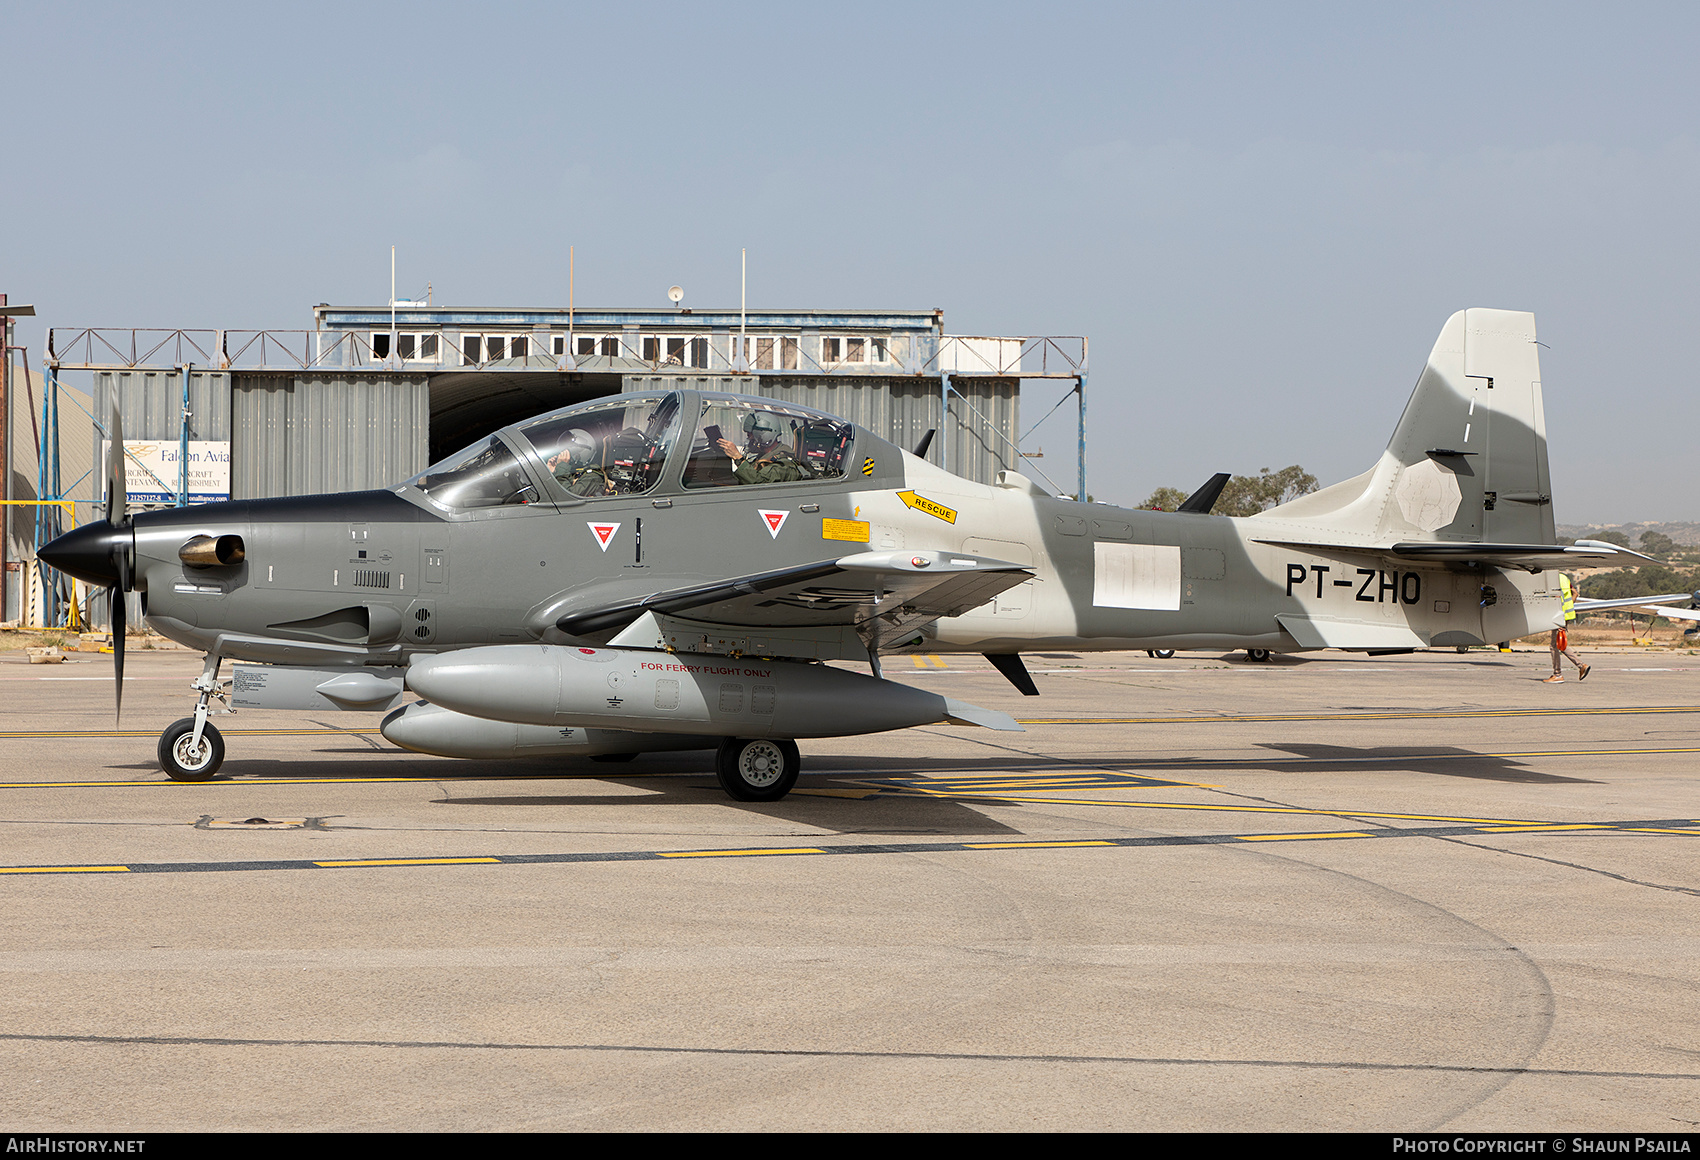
pixel 1257 654
pixel 192 749
pixel 758 770
pixel 1161 654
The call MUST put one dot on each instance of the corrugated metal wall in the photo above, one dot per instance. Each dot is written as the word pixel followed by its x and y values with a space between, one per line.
pixel 303 436
pixel 984 413
pixel 151 403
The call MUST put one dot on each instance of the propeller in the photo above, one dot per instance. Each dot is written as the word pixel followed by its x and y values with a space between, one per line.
pixel 118 518
pixel 102 553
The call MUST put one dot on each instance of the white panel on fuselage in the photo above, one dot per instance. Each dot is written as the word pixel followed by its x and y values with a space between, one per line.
pixel 1136 576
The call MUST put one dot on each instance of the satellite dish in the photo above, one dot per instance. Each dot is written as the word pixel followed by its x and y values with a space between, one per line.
pixel 676 293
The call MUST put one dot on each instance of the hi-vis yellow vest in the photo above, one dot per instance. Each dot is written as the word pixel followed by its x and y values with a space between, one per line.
pixel 1569 598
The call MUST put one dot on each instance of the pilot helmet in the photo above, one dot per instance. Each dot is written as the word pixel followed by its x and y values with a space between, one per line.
pixel 761 427
pixel 580 448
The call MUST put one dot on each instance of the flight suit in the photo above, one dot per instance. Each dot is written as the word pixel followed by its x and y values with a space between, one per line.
pixel 776 465
pixel 585 481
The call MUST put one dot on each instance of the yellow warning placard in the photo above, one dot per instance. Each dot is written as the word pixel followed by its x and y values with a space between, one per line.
pixel 853 530
pixel 922 504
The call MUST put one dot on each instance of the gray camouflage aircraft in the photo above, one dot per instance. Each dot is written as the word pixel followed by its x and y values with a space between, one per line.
pixel 669 570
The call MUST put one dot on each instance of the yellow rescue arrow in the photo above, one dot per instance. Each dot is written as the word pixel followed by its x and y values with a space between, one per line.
pixel 923 504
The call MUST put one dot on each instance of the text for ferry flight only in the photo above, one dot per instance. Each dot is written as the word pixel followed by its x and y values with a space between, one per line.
pixel 706 670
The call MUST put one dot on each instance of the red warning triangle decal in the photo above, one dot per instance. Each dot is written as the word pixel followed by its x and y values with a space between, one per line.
pixel 604 533
pixel 773 520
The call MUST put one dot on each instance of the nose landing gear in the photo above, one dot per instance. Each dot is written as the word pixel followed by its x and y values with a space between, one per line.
pixel 192 749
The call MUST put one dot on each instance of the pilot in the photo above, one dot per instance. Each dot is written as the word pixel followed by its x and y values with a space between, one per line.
pixel 763 459
pixel 575 466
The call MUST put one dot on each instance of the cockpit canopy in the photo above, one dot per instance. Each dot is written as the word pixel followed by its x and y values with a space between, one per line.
pixel 623 446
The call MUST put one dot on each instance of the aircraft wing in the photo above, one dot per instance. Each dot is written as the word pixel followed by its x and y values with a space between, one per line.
pixel 1529 557
pixel 901 588
pixel 1669 606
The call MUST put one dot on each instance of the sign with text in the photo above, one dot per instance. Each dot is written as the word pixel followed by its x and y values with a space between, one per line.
pixel 153 470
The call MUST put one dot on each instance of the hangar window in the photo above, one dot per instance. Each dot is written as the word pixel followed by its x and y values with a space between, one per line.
pixel 770 352
pixel 683 351
pixel 768 444
pixel 585 345
pixel 773 353
pixel 482 348
pixel 837 351
pixel 604 449
pixel 410 345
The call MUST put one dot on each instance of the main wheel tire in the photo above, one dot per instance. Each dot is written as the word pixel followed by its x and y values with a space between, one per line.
pixel 180 762
pixel 1257 654
pixel 757 770
pixel 1161 654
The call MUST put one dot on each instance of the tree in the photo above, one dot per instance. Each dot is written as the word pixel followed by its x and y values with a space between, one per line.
pixel 1617 538
pixel 1246 495
pixel 1657 544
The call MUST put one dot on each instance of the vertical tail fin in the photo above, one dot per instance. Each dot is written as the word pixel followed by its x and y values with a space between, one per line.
pixel 1468 460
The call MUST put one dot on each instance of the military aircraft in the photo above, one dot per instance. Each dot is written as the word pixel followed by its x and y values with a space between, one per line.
pixel 670 569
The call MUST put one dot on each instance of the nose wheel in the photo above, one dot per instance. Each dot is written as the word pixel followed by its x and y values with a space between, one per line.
pixel 183 759
pixel 192 749
pixel 758 770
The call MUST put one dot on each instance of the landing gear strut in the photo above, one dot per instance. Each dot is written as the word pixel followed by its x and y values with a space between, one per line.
pixel 192 749
pixel 758 770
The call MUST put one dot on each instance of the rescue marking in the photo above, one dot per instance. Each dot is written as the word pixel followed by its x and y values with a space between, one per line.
pixel 604 533
pixel 922 504
pixel 774 520
pixel 868 466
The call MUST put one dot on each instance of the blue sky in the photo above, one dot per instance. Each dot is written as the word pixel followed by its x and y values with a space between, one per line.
pixel 1260 214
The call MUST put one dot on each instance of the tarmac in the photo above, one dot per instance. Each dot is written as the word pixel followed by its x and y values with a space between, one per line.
pixel 1330 892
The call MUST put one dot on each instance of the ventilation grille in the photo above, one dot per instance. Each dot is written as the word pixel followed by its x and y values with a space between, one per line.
pixel 423 616
pixel 367 578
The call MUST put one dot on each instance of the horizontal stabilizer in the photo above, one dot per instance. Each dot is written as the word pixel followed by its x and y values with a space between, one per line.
pixel 1329 632
pixel 1676 606
pixel 962 713
pixel 1205 498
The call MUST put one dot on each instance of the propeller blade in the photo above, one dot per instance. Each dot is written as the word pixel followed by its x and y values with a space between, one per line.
pixel 117 477
pixel 116 597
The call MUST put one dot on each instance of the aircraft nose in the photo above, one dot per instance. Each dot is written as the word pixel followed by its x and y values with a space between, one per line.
pixel 89 553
